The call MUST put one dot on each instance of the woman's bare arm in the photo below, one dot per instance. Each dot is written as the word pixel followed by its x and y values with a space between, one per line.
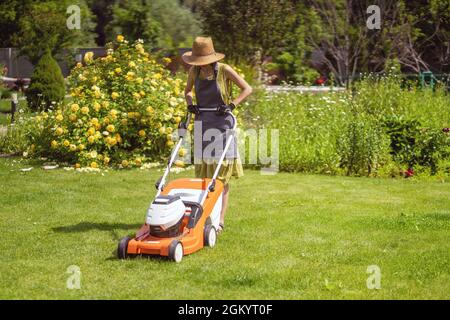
pixel 189 85
pixel 246 90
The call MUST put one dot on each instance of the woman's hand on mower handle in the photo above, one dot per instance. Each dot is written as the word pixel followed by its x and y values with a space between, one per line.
pixel 223 109
pixel 185 124
pixel 192 108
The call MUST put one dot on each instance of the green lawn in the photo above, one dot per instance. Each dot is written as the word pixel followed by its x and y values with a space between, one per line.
pixel 290 236
pixel 5 111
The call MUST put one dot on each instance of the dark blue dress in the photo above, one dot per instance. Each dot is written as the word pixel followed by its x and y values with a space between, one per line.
pixel 214 127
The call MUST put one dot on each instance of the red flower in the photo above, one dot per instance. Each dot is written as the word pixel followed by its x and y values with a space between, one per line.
pixel 320 81
pixel 409 173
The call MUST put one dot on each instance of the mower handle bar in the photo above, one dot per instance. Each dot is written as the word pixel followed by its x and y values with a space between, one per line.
pixel 161 182
pixel 203 109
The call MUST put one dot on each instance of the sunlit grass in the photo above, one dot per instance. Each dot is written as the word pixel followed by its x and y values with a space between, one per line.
pixel 290 236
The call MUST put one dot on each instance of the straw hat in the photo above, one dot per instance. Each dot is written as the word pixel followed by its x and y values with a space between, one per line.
pixel 202 52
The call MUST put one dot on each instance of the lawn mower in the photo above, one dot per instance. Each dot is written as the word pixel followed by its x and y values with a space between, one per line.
pixel 185 214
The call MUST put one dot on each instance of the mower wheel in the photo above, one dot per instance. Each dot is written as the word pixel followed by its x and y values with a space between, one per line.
pixel 210 235
pixel 123 247
pixel 176 251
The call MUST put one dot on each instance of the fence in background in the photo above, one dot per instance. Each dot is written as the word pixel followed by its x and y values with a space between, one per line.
pixel 19 67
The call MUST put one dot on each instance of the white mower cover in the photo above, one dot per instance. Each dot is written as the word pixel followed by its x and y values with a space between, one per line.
pixel 165 211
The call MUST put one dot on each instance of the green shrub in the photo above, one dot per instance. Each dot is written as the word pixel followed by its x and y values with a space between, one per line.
pixel 14 140
pixel 125 109
pixel 291 70
pixel 362 132
pixel 363 147
pixel 443 168
pixel 415 145
pixel 383 97
pixel 5 93
pixel 47 85
pixel 403 134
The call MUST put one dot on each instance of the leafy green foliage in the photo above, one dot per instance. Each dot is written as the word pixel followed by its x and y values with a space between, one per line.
pixel 124 110
pixel 292 69
pixel 35 26
pixel 353 133
pixel 9 20
pixel 160 23
pixel 14 138
pixel 47 86
pixel 134 21
pixel 5 93
pixel 412 144
pixel 241 28
pixel 363 147
pixel 309 127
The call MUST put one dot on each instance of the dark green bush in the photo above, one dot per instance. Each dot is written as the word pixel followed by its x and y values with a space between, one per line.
pixel 291 70
pixel 5 93
pixel 414 144
pixel 47 84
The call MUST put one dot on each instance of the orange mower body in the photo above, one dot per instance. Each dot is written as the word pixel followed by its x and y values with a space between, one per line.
pixel 185 214
pixel 197 227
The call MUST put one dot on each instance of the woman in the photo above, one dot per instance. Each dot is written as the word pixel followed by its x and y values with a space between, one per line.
pixel 213 83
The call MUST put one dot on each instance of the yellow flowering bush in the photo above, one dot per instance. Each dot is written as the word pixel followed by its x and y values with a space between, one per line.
pixel 125 108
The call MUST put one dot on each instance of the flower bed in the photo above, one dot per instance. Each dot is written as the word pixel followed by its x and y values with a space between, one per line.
pixel 125 108
pixel 378 129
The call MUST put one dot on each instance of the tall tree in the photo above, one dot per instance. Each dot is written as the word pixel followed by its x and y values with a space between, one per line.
pixel 415 33
pixel 160 23
pixel 337 28
pixel 412 33
pixel 34 26
pixel 432 21
pixel 102 9
pixel 191 4
pixel 243 27
pixel 47 84
pixel 9 20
